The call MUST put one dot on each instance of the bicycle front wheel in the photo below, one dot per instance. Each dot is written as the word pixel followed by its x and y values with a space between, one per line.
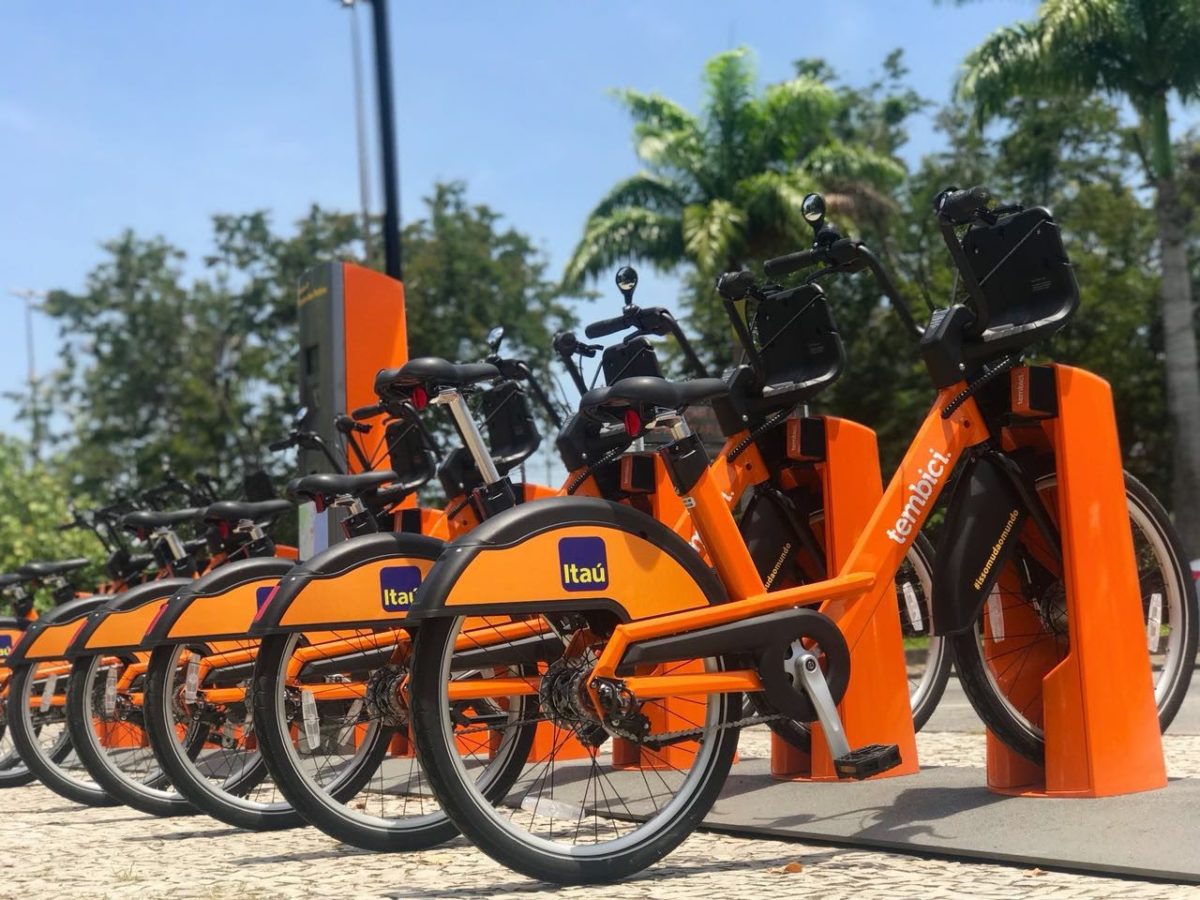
pixel 1023 626
pixel 583 807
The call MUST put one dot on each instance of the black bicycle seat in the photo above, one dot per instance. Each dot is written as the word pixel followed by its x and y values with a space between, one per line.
pixel 8 579
pixel 650 391
pixel 325 485
pixel 150 519
pixel 55 567
pixel 239 511
pixel 434 371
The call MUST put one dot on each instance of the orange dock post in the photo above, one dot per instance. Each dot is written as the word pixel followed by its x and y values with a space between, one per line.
pixel 1100 722
pixel 876 707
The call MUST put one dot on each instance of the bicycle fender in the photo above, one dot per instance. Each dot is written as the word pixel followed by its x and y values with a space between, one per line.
pixel 120 624
pixel 364 582
pixel 220 605
pixel 982 527
pixel 579 552
pixel 48 636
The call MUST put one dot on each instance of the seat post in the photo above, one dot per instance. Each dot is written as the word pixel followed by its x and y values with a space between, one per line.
pixel 470 432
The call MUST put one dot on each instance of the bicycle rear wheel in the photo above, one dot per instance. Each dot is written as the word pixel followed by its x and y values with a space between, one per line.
pixel 583 807
pixel 106 721
pixel 1023 626
pixel 207 687
pixel 37 721
pixel 13 771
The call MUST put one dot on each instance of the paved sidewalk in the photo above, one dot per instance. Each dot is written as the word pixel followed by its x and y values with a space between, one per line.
pixel 55 849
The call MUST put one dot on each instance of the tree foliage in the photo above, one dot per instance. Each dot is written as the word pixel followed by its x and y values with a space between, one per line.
pixel 36 498
pixel 722 188
pixel 162 357
pixel 1143 51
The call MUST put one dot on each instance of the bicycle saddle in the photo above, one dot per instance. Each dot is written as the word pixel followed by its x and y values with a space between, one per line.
pixel 55 567
pixel 8 579
pixel 239 510
pixel 434 371
pixel 650 391
pixel 324 485
pixel 150 519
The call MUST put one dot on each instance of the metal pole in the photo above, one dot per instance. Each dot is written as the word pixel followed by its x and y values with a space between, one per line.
pixel 360 125
pixel 387 141
pixel 35 418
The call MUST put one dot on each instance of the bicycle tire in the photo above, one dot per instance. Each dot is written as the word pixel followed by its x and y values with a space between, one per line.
pixel 146 793
pixel 1020 733
pixel 48 765
pixel 226 801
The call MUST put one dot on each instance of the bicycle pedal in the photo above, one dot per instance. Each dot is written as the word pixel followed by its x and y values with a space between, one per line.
pixel 867 761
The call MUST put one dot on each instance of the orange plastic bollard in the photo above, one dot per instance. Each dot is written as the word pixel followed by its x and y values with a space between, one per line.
pixel 1099 718
pixel 876 707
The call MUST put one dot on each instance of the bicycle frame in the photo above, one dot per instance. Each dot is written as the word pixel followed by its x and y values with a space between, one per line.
pixel 851 596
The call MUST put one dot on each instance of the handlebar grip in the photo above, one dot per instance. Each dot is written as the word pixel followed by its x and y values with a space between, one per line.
pixel 793 262
pixel 276 446
pixel 366 412
pixel 606 326
pixel 960 206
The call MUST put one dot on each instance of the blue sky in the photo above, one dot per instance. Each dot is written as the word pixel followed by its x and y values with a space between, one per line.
pixel 155 116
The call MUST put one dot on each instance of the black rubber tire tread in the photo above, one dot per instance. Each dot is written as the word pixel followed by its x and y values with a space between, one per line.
pixel 45 768
pixel 972 673
pixel 224 805
pixel 97 762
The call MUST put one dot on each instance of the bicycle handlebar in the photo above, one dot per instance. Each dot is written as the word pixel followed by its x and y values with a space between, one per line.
pixel 793 262
pixel 843 254
pixel 605 327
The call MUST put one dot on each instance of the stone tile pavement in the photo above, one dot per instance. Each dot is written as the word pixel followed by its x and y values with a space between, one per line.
pixel 53 849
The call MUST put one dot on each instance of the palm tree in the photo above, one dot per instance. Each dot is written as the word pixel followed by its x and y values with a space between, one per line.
pixel 1142 50
pixel 724 187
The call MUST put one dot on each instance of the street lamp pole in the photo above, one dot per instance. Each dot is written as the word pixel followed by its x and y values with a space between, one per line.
pixel 387 140
pixel 35 417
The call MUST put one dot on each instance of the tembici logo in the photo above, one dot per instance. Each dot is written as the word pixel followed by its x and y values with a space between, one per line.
pixel 583 563
pixel 919 493
pixel 398 587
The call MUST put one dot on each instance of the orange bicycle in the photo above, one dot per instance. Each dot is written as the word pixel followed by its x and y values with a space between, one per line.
pixel 641 642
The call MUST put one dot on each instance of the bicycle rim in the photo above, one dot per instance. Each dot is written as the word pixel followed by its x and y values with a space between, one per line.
pixel 578 810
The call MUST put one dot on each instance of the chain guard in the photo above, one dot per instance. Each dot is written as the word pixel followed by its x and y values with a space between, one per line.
pixel 821 636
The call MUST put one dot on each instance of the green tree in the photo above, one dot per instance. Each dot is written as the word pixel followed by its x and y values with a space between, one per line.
pixel 723 187
pixel 1143 51
pixel 466 272
pixel 36 498
pixel 202 370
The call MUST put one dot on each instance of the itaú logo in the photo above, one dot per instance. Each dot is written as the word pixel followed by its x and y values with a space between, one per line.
pixel 398 587
pixel 583 563
pixel 919 493
pixel 6 644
